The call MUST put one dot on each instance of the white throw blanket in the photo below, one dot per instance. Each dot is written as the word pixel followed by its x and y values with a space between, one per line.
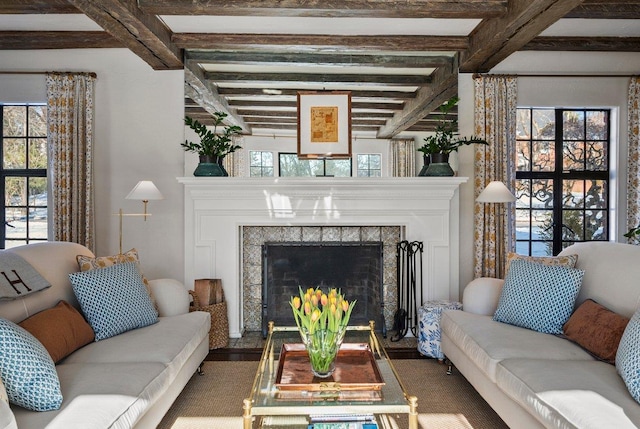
pixel 17 277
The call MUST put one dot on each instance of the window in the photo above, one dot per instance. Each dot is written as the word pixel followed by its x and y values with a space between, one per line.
pixel 562 178
pixel 292 166
pixel 260 163
pixel 369 165
pixel 24 174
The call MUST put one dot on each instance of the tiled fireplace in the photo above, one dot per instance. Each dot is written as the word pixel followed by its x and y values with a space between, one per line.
pixel 227 220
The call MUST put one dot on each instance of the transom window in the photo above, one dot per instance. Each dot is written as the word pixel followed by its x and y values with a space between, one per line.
pixel 292 166
pixel 24 174
pixel 562 178
pixel 260 163
pixel 369 165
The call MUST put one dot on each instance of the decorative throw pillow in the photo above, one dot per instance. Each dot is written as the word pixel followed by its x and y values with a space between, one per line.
pixel 61 330
pixel 28 373
pixel 113 299
pixel 87 263
pixel 538 297
pixel 596 329
pixel 628 356
pixel 565 260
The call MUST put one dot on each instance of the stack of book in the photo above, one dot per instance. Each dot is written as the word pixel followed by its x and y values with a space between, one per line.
pixel 342 421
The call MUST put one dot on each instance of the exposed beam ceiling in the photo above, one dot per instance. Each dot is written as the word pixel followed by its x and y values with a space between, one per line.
pixel 398 74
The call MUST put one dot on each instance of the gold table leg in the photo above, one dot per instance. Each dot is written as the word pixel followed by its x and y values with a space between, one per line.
pixel 247 420
pixel 413 412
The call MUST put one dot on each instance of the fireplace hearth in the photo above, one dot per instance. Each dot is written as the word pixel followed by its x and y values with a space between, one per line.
pixel 355 268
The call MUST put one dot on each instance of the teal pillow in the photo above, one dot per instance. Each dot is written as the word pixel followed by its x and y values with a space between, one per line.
pixel 628 356
pixel 27 370
pixel 538 297
pixel 114 299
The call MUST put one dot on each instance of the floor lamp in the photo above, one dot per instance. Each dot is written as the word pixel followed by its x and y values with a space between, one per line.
pixel 497 192
pixel 145 191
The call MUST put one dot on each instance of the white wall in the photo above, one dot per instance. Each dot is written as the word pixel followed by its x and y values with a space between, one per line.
pixel 138 128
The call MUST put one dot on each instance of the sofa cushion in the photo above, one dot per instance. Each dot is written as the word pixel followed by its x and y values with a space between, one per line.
pixel 569 394
pixel 565 260
pixel 61 330
pixel 487 342
pixel 113 299
pixel 597 329
pixel 27 371
pixel 538 296
pixel 628 356
pixel 3 392
pixel 7 419
pixel 105 395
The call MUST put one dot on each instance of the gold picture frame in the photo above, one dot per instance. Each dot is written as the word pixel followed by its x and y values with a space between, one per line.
pixel 324 124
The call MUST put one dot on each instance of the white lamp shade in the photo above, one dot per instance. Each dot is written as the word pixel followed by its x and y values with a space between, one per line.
pixel 145 190
pixel 496 192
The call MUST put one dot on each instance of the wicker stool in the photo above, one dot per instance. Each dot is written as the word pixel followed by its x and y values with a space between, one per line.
pixel 219 332
pixel 429 319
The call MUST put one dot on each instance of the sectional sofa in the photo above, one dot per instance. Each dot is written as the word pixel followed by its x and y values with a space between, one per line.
pixel 127 380
pixel 534 379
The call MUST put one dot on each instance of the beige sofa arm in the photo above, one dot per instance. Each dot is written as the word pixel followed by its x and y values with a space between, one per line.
pixel 481 295
pixel 171 297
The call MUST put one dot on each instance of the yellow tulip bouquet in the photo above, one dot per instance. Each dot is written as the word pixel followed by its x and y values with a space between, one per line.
pixel 322 319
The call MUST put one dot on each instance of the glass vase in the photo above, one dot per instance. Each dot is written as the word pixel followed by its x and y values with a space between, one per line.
pixel 322 346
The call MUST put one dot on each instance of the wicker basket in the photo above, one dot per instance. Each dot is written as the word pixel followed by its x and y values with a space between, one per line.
pixel 219 332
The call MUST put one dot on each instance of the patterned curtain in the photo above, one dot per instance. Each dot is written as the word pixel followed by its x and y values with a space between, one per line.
pixel 402 159
pixel 70 144
pixel 495 121
pixel 234 162
pixel 633 181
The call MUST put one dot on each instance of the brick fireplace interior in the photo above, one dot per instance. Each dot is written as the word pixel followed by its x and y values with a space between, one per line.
pixel 381 296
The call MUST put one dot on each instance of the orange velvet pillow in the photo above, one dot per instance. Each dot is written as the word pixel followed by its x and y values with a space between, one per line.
pixel 596 329
pixel 61 330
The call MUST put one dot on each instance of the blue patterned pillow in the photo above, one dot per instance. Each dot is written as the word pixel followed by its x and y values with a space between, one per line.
pixel 538 297
pixel 628 356
pixel 113 299
pixel 27 370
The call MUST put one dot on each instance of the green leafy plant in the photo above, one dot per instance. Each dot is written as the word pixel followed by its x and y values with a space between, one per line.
pixel 211 143
pixel 446 139
pixel 633 235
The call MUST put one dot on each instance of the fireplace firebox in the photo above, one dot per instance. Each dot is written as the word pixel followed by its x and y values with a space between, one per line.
pixel 353 267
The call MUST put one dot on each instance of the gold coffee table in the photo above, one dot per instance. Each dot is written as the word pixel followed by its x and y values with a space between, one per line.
pixel 268 404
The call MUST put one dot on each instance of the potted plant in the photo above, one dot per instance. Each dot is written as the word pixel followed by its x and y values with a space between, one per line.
pixel 633 235
pixel 445 140
pixel 213 147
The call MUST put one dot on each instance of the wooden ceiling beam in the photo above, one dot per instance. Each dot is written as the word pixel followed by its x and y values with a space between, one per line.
pixel 319 42
pixel 197 89
pixel 478 9
pixel 294 104
pixel 321 78
pixel 239 92
pixel 145 35
pixel 294 114
pixel 27 40
pixel 606 9
pixel 602 44
pixel 305 59
pixel 36 7
pixel 495 39
pixel 428 99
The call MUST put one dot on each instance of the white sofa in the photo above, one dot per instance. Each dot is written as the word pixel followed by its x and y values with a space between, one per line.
pixel 536 380
pixel 129 380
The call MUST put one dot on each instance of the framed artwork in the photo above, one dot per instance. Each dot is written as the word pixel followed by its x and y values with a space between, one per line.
pixel 324 124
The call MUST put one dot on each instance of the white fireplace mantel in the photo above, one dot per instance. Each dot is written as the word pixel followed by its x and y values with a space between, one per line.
pixel 216 209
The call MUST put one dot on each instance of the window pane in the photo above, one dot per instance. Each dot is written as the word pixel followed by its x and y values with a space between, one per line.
pixel 14 121
pixel 523 193
pixel 544 155
pixel 339 167
pixel 544 124
pixel 573 193
pixel 16 226
pixel 15 153
pixel 523 155
pixel 573 156
pixel 596 225
pixel 597 128
pixel 15 191
pixel 37 153
pixel 523 124
pixel 573 125
pixel 572 225
pixel 363 162
pixel 37 121
pixel 596 197
pixel 542 196
pixel 38 191
pixel 597 158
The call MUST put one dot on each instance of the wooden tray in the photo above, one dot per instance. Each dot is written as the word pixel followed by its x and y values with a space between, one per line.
pixel 356 369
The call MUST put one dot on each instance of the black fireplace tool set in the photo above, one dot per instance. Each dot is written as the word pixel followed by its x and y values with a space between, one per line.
pixel 409 270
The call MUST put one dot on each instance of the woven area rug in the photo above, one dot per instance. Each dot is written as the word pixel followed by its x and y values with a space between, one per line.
pixel 214 400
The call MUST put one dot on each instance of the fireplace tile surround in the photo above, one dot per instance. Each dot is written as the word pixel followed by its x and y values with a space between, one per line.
pixel 222 215
pixel 254 236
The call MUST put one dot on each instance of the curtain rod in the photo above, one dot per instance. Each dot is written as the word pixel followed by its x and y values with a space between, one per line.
pixel 477 75
pixel 44 73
